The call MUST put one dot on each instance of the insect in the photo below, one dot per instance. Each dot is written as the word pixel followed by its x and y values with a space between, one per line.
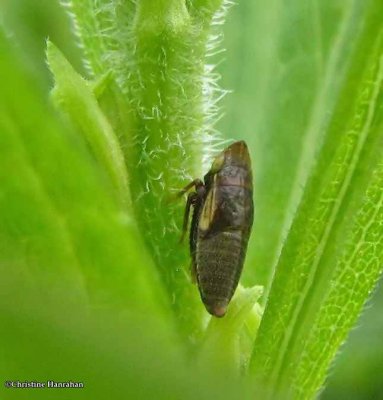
pixel 220 227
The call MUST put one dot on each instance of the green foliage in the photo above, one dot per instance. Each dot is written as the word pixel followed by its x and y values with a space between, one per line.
pixel 89 223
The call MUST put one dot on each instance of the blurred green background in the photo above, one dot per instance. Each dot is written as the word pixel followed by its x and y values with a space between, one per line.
pixel 358 372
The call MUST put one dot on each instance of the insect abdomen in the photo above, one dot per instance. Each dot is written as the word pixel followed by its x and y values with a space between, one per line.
pixel 219 260
pixel 221 224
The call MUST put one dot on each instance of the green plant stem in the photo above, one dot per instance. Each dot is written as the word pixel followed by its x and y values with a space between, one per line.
pixel 156 51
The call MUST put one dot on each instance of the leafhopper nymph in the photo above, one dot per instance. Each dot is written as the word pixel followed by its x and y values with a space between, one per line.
pixel 220 227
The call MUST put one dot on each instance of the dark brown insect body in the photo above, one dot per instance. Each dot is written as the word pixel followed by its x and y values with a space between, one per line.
pixel 221 224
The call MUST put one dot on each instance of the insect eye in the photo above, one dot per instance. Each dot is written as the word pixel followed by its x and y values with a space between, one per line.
pixel 217 163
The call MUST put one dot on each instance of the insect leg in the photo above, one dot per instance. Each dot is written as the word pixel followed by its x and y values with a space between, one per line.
pixel 195 183
pixel 192 198
pixel 193 272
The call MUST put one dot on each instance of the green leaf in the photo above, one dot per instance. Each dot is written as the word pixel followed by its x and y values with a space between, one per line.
pixel 286 65
pixel 92 22
pixel 333 254
pixel 57 210
pixel 74 95
pixel 227 343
